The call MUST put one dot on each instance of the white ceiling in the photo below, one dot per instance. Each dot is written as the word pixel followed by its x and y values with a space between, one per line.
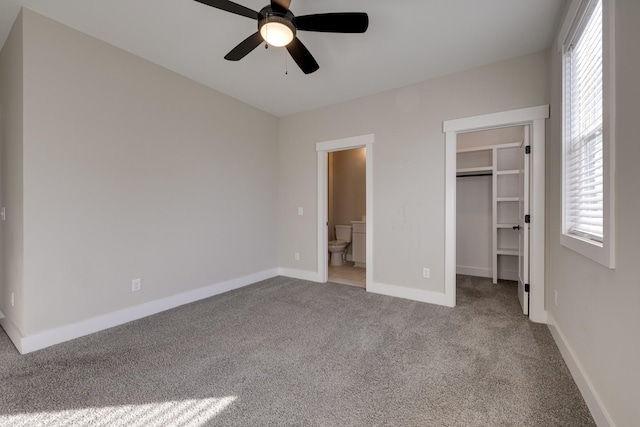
pixel 408 41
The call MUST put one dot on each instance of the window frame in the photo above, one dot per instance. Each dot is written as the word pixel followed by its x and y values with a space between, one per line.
pixel 600 252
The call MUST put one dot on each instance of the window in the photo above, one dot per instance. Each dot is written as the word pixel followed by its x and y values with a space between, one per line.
pixel 588 133
pixel 583 131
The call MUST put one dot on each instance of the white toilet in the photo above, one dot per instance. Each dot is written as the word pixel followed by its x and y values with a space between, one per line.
pixel 337 247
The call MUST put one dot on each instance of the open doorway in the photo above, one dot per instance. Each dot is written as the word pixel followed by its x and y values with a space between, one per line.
pixel 346 202
pixel 491 198
pixel 486 204
pixel 363 221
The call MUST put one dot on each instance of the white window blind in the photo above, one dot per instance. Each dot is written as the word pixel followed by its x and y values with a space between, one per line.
pixel 583 126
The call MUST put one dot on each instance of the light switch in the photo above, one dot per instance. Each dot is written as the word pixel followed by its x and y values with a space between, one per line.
pixel 300 211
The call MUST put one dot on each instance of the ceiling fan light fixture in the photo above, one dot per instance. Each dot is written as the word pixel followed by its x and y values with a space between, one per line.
pixel 277 31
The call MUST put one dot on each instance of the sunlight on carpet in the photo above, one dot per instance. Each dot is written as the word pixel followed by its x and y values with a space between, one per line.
pixel 193 412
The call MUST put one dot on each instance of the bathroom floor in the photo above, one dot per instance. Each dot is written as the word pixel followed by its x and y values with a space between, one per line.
pixel 347 274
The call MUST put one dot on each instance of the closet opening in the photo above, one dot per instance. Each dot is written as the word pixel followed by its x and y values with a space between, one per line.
pixel 492 190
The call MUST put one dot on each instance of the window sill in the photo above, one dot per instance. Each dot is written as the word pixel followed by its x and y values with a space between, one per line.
pixel 598 252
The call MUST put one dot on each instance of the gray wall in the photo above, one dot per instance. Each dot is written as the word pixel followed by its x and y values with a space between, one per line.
pixel 408 164
pixel 474 226
pixel 11 134
pixel 132 171
pixel 597 309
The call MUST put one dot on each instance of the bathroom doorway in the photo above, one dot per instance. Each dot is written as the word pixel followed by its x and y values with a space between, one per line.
pixel 362 220
pixel 346 203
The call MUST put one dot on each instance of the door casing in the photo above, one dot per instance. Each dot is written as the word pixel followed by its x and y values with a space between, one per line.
pixel 535 117
pixel 323 149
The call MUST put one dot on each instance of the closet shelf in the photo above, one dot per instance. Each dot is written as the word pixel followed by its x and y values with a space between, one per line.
pixel 508 172
pixel 476 170
pixel 488 148
pixel 507 251
pixel 507 199
pixel 506 225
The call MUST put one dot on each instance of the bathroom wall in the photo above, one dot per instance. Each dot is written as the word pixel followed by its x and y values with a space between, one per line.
pixel 347 189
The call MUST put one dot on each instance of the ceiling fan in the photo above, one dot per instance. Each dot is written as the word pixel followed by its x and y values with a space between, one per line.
pixel 277 26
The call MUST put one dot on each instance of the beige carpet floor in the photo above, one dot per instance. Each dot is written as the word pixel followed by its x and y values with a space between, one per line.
pixel 289 352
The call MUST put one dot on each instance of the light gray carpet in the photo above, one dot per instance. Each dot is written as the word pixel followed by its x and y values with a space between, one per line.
pixel 290 352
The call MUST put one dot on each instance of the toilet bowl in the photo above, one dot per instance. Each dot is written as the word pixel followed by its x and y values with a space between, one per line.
pixel 338 247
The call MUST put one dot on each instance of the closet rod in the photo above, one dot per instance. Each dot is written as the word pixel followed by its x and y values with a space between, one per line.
pixel 474 174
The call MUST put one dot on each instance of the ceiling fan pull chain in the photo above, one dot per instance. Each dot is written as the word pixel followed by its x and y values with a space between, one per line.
pixel 286 63
pixel 266 43
pixel 266 34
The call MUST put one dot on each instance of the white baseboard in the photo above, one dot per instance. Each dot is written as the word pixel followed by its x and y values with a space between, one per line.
pixel 420 295
pixel 474 271
pixel 312 276
pixel 12 331
pixel 85 327
pixel 592 399
pixel 377 288
pixel 508 275
pixel 486 272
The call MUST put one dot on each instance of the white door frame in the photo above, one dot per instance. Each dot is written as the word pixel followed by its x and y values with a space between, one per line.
pixel 534 116
pixel 323 149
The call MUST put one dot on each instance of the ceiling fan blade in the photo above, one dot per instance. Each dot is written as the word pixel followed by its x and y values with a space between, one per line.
pixel 232 7
pixel 280 5
pixel 349 22
pixel 302 56
pixel 246 46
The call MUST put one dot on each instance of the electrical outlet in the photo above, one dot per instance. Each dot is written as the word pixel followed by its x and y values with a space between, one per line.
pixel 555 296
pixel 13 299
pixel 300 211
pixel 297 256
pixel 426 273
pixel 3 214
pixel 136 285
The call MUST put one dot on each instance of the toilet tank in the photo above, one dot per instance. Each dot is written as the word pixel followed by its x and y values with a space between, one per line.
pixel 343 232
